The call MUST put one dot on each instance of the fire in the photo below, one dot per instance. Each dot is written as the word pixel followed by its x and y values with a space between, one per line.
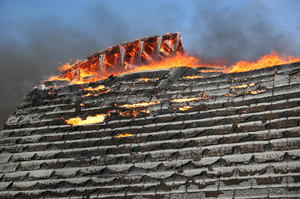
pixel 98 90
pixel 240 86
pixel 146 54
pixel 134 113
pixel 193 77
pixel 147 80
pixel 124 113
pixel 268 60
pixel 99 118
pixel 185 99
pixel 142 104
pixel 171 62
pixel 96 93
pixel 147 111
pixel 185 108
pixel 256 92
pixel 101 87
pixel 243 86
pixel 124 135
pixel 157 52
pixel 190 99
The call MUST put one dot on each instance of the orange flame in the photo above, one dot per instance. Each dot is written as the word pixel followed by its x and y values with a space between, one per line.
pixel 133 113
pixel 142 104
pixel 148 80
pixel 268 60
pixel 65 67
pixel 148 54
pixel 189 99
pixel 145 111
pixel 95 91
pixel 81 76
pixel 185 108
pixel 89 120
pixel 185 99
pixel 101 87
pixel 124 135
pixel 171 62
pixel 243 86
pixel 193 77
pixel 256 92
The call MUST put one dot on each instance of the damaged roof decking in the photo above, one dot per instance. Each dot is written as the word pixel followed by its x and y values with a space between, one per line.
pixel 239 138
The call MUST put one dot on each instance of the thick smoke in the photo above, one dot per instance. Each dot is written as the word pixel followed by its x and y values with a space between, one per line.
pixel 238 34
pixel 31 49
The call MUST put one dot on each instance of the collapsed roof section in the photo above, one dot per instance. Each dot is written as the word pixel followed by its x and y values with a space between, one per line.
pixel 125 57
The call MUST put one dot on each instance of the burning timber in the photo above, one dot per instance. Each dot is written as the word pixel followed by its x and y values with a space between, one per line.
pixel 125 57
pixel 177 132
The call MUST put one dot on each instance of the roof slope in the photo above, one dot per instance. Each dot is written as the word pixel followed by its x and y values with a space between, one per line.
pixel 238 137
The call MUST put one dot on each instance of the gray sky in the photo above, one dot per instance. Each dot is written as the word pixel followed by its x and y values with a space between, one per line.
pixel 36 35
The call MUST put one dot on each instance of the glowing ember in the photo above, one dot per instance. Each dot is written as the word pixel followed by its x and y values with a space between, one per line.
pixel 101 87
pixel 256 92
pixel 145 111
pixel 88 94
pixel 95 91
pixel 124 135
pixel 193 77
pixel 142 104
pixel 268 60
pixel 185 108
pixel 185 99
pixel 124 113
pixel 89 120
pixel 148 80
pixel 189 99
pixel 133 113
pixel 240 86
pixel 243 86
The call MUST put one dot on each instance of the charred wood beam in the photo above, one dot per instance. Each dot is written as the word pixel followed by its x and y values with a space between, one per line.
pixel 138 56
pixel 100 66
pixel 120 62
pixel 175 46
pixel 76 74
pixel 157 48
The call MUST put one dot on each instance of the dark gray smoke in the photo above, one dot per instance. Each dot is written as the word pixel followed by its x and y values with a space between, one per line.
pixel 244 34
pixel 31 49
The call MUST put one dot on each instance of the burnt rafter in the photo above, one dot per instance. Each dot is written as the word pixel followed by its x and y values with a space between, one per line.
pixel 127 56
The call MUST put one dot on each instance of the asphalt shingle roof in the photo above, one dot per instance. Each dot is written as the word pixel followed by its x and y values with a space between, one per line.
pixel 238 137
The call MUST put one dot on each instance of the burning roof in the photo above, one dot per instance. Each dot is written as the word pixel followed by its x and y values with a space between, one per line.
pixel 174 132
pixel 123 58
pixel 157 52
